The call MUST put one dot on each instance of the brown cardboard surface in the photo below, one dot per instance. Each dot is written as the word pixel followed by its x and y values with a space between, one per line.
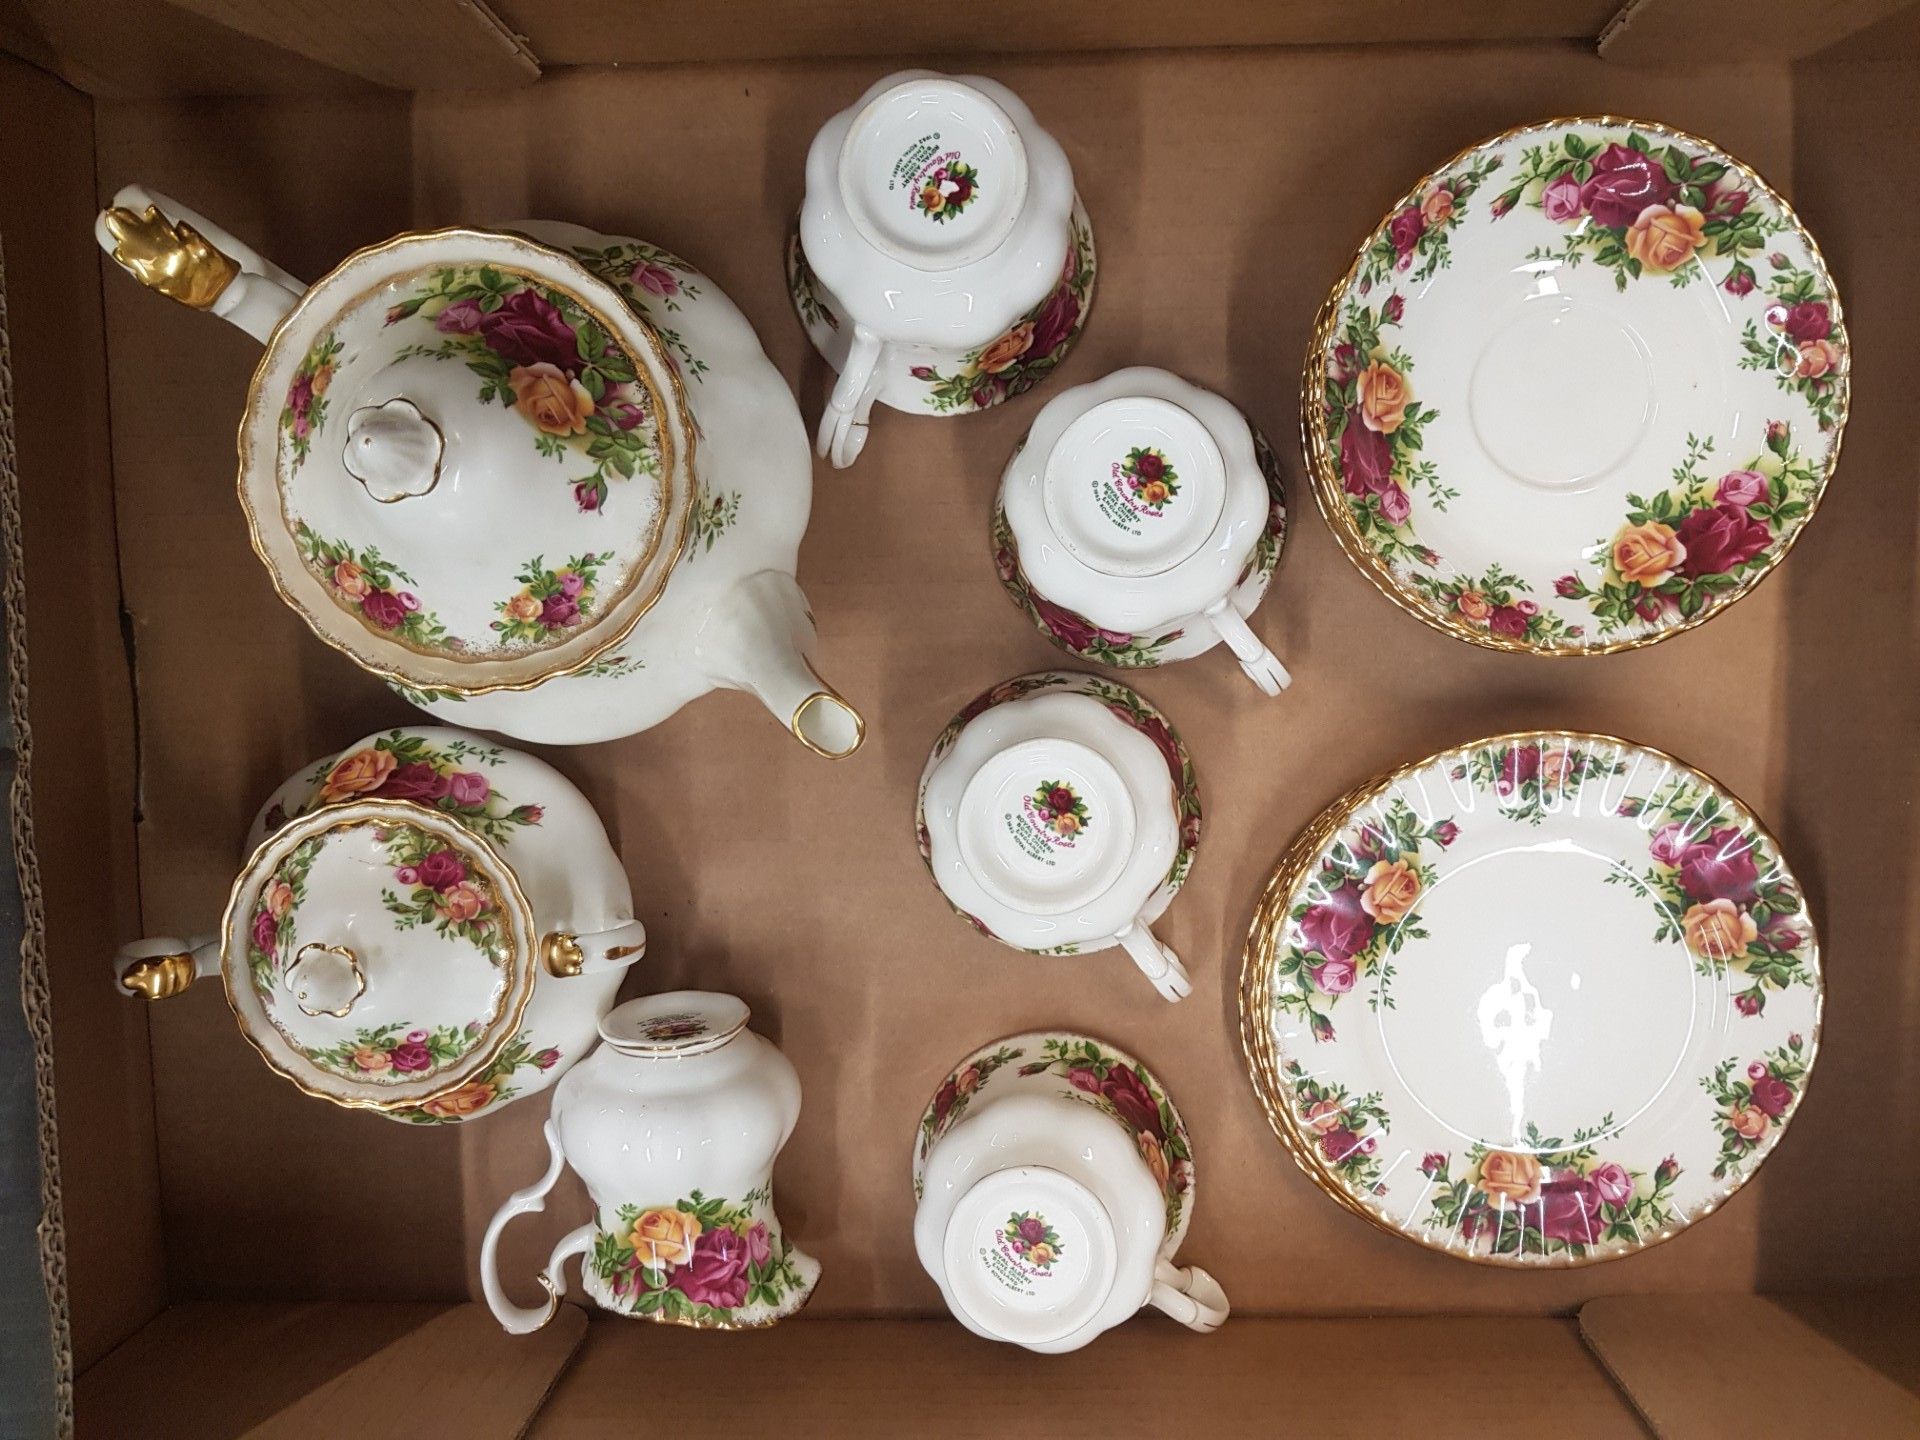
pixel 1330 1379
pixel 77 750
pixel 1227 192
pixel 1663 32
pixel 1670 1354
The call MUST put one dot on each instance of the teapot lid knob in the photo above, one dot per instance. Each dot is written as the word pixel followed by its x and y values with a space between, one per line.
pixel 393 450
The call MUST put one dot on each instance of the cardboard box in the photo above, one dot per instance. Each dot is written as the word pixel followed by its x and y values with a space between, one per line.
pixel 228 1257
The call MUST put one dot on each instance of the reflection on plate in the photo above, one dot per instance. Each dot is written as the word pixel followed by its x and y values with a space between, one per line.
pixel 1541 1000
pixel 1579 391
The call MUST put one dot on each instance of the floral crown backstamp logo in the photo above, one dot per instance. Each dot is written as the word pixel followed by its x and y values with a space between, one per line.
pixel 1149 479
pixel 1057 808
pixel 1032 1240
pixel 947 188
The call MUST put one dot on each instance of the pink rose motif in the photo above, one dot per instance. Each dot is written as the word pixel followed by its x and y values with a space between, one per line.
pixel 1742 488
pixel 654 279
pixel 759 1243
pixel 1391 312
pixel 1517 766
pixel 1563 200
pixel 1338 1144
pixel 1808 320
pixel 1508 620
pixel 1613 1182
pixel 1779 934
pixel 407 875
pixel 1625 182
pixel 410 1056
pixel 468 789
pixel 1395 504
pixel 416 780
pixel 1739 280
pixel 587 495
pixel 1405 230
pixel 1333 977
pixel 1081 1078
pixel 1433 1163
pixel 1725 197
pixel 1777 433
pixel 1720 866
pixel 1338 926
pixel 922 372
pixel 266 931
pixel 384 608
pixel 528 330
pixel 441 870
pixel 1773 1095
pixel 1366 460
pixel 1054 323
pixel 1570 1210
pixel 1072 630
pixel 558 611
pixel 1670 843
pixel 1750 1002
pixel 572 583
pixel 300 395
pixel 624 404
pixel 717 1273
pixel 462 317
pixel 1719 539
pixel 1129 1095
pixel 1346 361
pixel 547 1058
pixel 1445 833
pixel 1756 1070
pixel 1567 587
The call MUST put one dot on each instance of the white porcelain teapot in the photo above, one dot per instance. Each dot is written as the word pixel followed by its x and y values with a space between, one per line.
pixel 674 1123
pixel 430 927
pixel 1055 1182
pixel 470 464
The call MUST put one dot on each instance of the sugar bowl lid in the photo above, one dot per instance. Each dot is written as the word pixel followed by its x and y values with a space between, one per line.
pixel 378 954
pixel 467 463
pixel 674 1024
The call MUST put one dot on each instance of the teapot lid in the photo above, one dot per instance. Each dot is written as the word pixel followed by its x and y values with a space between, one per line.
pixel 676 1023
pixel 378 954
pixel 467 462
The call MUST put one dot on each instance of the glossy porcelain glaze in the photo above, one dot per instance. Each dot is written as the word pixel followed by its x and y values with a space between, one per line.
pixel 471 464
pixel 673 1123
pixel 1580 390
pixel 1059 814
pixel 941 261
pixel 1142 512
pixel 1543 1000
pixel 1055 1183
pixel 431 926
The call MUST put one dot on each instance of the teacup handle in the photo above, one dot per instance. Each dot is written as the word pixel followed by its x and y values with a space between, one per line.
pixel 1156 961
pixel 1190 1295
pixel 1263 667
pixel 843 425
pixel 522 1319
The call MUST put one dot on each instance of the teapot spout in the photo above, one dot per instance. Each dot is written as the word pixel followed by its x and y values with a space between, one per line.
pixel 756 639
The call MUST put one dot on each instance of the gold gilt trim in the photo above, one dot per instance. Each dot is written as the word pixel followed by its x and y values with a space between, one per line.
pixel 507 892
pixel 261 408
pixel 1265 936
pixel 826 695
pixel 158 977
pixel 1323 470
pixel 170 256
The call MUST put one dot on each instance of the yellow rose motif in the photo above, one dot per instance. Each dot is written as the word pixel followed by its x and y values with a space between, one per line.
pixel 1647 554
pixel 1384 396
pixel 523 607
pixel 1556 767
pixel 357 774
pixel 1505 1176
pixel 1664 239
pixel 1389 890
pixel 1066 825
pixel 475 1095
pixel 1322 1115
pixel 1816 358
pixel 322 378
pixel 1155 1157
pixel 278 898
pixel 1437 207
pixel 1749 1121
pixel 1007 349
pixel 551 399
pixel 350 580
pixel 1154 492
pixel 931 200
pixel 1473 605
pixel 968 1080
pixel 1718 930
pixel 372 1059
pixel 663 1238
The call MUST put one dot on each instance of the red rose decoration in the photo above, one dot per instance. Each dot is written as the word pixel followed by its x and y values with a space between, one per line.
pixel 416 780
pixel 1720 866
pixel 717 1273
pixel 1720 538
pixel 1128 1095
pixel 442 870
pixel 1625 182
pixel 1366 459
pixel 1809 320
pixel 1772 1094
pixel 1054 323
pixel 528 330
pixel 1338 926
pixel 1570 1210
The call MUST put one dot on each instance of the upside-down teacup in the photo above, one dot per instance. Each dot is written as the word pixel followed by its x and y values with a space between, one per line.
pixel 1140 522
pixel 942 261
pixel 1055 1184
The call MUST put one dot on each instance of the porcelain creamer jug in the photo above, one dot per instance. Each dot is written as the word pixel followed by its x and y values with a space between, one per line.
pixel 673 1123
pixel 1055 1182
pixel 430 927
pixel 471 465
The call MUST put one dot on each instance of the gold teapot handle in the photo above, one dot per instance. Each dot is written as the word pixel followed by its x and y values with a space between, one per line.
pixel 164 966
pixel 187 258
pixel 564 954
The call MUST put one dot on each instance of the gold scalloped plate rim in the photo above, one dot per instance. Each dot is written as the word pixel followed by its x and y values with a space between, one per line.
pixel 1261 1053
pixel 1322 474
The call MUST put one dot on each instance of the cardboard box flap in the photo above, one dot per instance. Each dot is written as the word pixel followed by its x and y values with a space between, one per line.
pixel 1699 1367
pixel 1656 32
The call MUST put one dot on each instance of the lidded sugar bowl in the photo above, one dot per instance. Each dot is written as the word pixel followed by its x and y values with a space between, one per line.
pixel 674 1123
pixel 429 927
pixel 470 465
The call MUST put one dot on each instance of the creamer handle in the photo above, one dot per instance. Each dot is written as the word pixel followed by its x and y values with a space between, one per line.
pixel 165 965
pixel 521 1319
pixel 1189 1295
pixel 565 954
pixel 1158 963
pixel 186 257
pixel 1263 667
pixel 843 424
